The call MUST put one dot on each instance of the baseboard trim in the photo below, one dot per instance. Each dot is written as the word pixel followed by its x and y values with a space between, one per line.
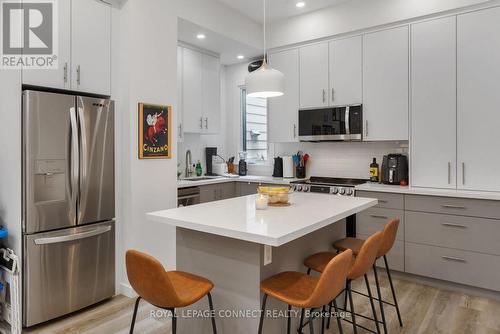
pixel 446 285
pixel 126 290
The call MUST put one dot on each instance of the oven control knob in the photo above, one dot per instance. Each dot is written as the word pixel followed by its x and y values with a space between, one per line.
pixel 335 190
pixel 305 189
pixel 349 192
pixel 298 187
pixel 342 191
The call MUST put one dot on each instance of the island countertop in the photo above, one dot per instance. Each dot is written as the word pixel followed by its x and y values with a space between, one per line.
pixel 237 217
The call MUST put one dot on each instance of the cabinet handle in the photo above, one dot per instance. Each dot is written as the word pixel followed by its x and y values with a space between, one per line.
pixel 463 173
pixel 450 206
pixel 453 225
pixel 295 131
pixel 449 172
pixel 78 74
pixel 180 130
pixel 201 122
pixel 366 128
pixel 382 201
pixel 332 95
pixel 380 217
pixel 455 259
pixel 324 95
pixel 206 123
pixel 65 72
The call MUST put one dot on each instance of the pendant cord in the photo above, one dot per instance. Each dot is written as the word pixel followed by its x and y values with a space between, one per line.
pixel 265 50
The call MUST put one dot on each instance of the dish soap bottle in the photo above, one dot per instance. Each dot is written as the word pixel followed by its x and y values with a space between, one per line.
pixel 198 168
pixel 374 172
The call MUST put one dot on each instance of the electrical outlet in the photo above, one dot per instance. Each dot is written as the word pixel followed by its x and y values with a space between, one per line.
pixel 268 255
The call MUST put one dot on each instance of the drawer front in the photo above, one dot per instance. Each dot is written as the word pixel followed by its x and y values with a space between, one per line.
pixel 385 200
pixel 453 206
pixel 475 269
pixel 395 257
pixel 374 219
pixel 465 233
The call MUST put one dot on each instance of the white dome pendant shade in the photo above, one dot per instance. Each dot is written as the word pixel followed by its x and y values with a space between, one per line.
pixel 265 82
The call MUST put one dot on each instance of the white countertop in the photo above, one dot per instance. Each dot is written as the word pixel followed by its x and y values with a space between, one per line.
pixel 237 217
pixel 249 178
pixel 377 187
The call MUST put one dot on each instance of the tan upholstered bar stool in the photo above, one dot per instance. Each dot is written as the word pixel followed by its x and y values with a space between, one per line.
pixel 363 262
pixel 388 239
pixel 307 292
pixel 165 289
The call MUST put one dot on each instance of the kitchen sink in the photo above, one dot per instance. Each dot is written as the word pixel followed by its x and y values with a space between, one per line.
pixel 201 178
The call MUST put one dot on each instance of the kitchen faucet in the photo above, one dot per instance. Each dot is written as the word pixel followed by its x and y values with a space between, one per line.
pixel 189 164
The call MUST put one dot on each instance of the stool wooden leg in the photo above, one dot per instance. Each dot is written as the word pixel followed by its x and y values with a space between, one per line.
pixel 393 291
pixel 381 304
pixel 135 314
pixel 212 314
pixel 371 303
pixel 351 304
pixel 263 310
pixel 337 315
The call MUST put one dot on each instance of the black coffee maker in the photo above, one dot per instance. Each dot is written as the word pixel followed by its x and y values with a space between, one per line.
pixel 209 153
pixel 394 169
pixel 242 165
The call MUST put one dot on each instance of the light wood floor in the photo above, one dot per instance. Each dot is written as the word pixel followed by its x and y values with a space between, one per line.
pixel 425 310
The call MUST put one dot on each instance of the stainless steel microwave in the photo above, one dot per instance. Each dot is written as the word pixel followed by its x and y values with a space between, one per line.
pixel 331 124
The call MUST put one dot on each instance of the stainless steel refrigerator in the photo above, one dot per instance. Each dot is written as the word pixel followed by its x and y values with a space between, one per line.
pixel 68 204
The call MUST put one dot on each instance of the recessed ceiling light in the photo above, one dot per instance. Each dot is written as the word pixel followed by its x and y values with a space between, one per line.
pixel 240 57
pixel 200 36
pixel 300 4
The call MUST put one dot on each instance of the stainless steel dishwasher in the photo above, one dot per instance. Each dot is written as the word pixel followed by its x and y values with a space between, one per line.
pixel 188 196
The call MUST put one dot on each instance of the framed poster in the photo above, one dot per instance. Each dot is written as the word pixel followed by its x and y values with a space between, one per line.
pixel 155 131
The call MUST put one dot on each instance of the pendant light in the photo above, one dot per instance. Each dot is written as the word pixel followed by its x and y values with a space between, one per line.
pixel 265 82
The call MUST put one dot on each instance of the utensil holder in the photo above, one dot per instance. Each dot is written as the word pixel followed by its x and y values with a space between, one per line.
pixel 300 172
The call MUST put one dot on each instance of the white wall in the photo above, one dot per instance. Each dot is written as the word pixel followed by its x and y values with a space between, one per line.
pixel 356 15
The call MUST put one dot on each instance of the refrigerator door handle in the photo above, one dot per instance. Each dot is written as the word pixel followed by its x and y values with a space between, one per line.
pixel 82 199
pixel 74 170
pixel 72 237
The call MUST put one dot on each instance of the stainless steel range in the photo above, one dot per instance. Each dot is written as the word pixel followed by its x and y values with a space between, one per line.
pixel 328 185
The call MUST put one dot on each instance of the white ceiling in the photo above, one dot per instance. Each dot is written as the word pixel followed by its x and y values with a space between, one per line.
pixel 277 9
pixel 227 48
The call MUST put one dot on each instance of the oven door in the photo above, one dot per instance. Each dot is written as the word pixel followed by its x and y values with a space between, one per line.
pixel 323 124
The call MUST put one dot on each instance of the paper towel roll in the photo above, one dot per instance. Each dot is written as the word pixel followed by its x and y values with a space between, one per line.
pixel 288 166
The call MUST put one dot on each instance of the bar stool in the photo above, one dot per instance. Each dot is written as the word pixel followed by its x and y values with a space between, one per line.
pixel 307 292
pixel 388 239
pixel 362 264
pixel 165 289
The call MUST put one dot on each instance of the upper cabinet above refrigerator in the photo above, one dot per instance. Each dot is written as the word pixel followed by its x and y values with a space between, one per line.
pixel 83 49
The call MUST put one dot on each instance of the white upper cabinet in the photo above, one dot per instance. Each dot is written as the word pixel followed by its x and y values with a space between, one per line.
pixel 192 87
pixel 478 54
pixel 346 74
pixel 314 76
pixel 91 46
pixel 385 84
pixel 180 130
pixel 199 98
pixel 283 110
pixel 433 103
pixel 60 77
pixel 211 94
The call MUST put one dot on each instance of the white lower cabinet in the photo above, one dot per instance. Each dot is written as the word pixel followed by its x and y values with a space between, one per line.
pixel 282 116
pixel 478 116
pixel 385 84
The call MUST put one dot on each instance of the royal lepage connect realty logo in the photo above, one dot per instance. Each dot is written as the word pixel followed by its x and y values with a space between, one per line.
pixel 28 34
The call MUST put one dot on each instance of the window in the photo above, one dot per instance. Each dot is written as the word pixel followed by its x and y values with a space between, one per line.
pixel 254 127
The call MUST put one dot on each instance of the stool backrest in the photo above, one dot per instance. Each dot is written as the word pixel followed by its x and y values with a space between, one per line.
pixel 149 279
pixel 366 256
pixel 332 280
pixel 390 231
